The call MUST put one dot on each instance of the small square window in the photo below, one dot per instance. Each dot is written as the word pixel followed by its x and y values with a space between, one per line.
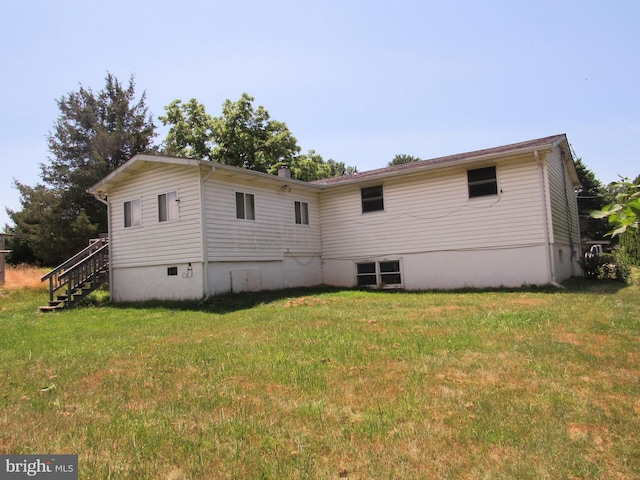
pixel 132 213
pixel 172 271
pixel 245 206
pixel 482 181
pixel 372 199
pixel 302 213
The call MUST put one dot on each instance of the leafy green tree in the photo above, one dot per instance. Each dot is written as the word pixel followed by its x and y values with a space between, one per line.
pixel 191 132
pixel 402 159
pixel 622 214
pixel 630 240
pixel 311 166
pixel 247 137
pixel 95 133
pixel 243 136
pixel 591 196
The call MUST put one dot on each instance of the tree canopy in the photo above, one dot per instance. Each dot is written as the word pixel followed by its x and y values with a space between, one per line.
pixel 243 136
pixel 591 196
pixel 624 211
pixel 95 133
pixel 403 158
pixel 191 131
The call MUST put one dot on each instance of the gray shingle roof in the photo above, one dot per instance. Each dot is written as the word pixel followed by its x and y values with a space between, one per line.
pixel 539 143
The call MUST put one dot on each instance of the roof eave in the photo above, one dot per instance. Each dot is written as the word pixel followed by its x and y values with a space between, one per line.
pixel 428 166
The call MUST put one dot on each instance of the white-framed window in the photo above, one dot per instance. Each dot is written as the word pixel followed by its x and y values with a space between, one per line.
pixel 132 213
pixel 482 181
pixel 380 274
pixel 372 199
pixel 302 213
pixel 245 206
pixel 168 207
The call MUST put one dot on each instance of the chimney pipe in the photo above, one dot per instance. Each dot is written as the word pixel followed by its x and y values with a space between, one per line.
pixel 284 171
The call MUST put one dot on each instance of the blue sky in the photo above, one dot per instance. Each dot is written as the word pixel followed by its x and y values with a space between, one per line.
pixel 357 81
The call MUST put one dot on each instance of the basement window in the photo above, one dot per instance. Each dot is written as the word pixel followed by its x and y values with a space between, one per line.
pixel 482 181
pixel 384 274
pixel 245 206
pixel 168 207
pixel 132 213
pixel 372 199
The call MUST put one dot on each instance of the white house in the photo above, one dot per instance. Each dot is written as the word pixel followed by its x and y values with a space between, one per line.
pixel 186 229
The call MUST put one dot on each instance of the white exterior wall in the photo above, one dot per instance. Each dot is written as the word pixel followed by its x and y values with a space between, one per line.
pixel 136 284
pixel 270 252
pixel 141 255
pixel 443 238
pixel 252 276
pixel 564 214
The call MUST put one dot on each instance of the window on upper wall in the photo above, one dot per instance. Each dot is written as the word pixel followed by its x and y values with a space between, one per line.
pixel 385 274
pixel 372 199
pixel 168 207
pixel 245 206
pixel 482 181
pixel 302 213
pixel 132 213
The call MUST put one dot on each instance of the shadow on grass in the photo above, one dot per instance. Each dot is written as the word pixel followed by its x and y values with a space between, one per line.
pixel 231 302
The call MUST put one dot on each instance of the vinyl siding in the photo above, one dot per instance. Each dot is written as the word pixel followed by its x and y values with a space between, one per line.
pixel 564 210
pixel 272 235
pixel 432 213
pixel 154 242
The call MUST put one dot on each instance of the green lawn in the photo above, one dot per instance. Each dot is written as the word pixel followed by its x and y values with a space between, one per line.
pixel 327 383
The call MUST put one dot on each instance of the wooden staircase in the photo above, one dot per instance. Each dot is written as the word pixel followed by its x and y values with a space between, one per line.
pixel 79 276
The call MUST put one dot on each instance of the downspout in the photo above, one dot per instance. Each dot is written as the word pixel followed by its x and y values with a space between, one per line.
pixel 548 231
pixel 570 223
pixel 205 244
pixel 103 199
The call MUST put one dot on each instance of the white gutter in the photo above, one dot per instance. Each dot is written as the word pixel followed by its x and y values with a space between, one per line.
pixel 205 244
pixel 99 197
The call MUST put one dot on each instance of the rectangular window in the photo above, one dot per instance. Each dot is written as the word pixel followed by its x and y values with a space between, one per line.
pixel 302 213
pixel 381 274
pixel 172 271
pixel 168 207
pixel 366 273
pixel 245 206
pixel 482 181
pixel 372 199
pixel 132 213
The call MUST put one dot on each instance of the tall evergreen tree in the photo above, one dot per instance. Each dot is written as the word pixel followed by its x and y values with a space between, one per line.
pixel 94 134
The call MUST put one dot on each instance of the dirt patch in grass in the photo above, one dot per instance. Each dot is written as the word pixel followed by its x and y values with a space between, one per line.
pixel 305 302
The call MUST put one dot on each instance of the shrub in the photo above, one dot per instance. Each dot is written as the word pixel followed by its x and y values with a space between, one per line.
pixel 615 266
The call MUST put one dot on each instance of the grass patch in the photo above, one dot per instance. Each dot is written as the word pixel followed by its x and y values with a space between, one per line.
pixel 329 383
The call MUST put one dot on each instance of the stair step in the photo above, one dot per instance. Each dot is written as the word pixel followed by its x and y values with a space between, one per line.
pixel 51 308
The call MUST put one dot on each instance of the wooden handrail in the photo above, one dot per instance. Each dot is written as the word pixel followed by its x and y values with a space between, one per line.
pixel 84 271
pixel 80 268
pixel 76 258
